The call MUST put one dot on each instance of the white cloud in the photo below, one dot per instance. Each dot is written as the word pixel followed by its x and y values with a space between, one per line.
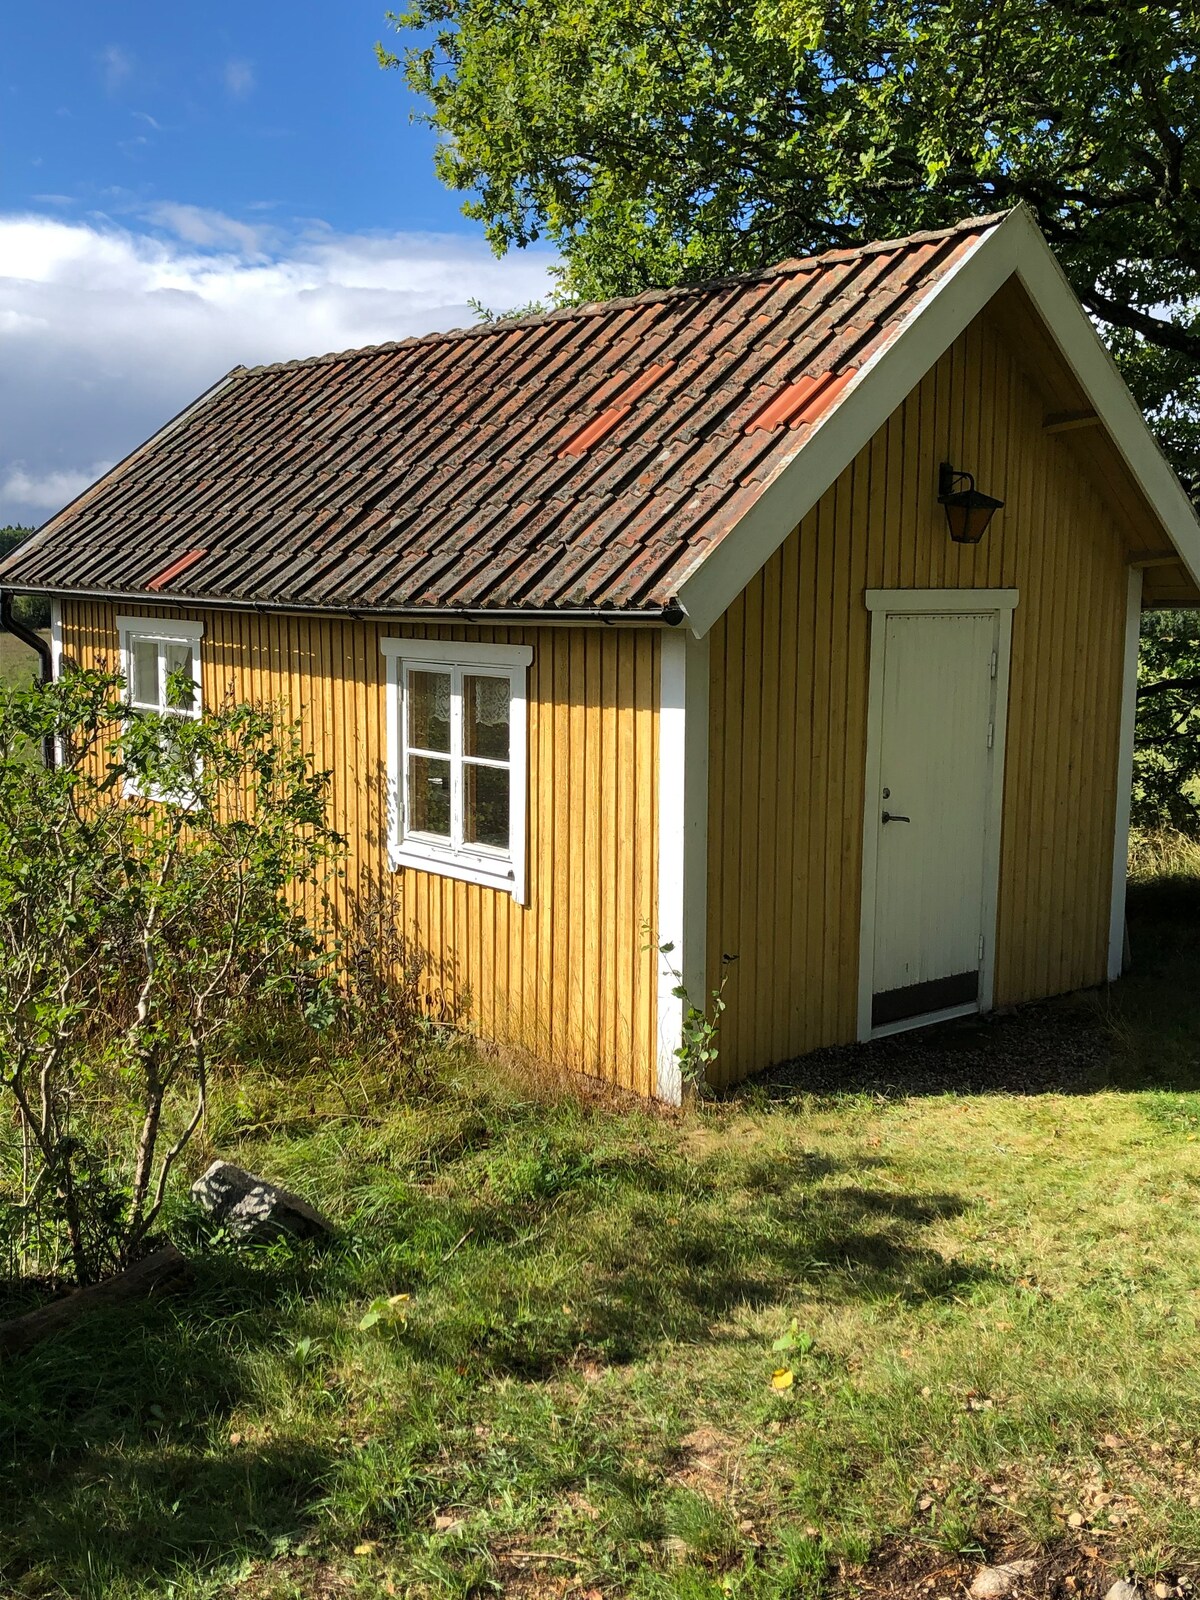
pixel 116 67
pixel 239 78
pixel 48 491
pixel 209 229
pixel 107 331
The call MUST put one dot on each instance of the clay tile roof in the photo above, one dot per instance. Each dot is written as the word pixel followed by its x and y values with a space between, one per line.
pixel 579 459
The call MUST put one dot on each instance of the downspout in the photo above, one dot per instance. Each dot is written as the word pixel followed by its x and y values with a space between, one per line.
pixel 36 643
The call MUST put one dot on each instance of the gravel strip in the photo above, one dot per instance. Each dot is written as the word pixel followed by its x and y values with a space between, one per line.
pixel 1055 1047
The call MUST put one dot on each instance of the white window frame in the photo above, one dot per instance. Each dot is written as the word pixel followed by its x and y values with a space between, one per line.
pixel 472 863
pixel 160 631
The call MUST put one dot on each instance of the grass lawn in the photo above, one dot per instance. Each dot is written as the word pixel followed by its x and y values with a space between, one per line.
pixel 17 660
pixel 988 1305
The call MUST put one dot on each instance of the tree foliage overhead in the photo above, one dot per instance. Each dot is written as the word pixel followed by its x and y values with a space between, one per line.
pixel 663 141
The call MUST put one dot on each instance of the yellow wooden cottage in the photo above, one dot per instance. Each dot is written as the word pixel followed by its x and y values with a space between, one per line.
pixel 689 619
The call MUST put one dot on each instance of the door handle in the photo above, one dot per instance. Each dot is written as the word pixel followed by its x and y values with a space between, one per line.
pixel 890 816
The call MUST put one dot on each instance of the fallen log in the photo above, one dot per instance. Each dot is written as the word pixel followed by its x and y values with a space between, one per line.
pixel 143 1277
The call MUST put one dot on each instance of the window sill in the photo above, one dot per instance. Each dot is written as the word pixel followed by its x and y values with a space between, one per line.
pixel 467 869
pixel 131 790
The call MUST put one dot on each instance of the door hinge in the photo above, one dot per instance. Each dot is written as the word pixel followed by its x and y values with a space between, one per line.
pixel 991 734
pixel 995 663
pixel 981 947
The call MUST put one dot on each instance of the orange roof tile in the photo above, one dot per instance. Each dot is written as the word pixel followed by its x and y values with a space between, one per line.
pixel 176 567
pixel 581 459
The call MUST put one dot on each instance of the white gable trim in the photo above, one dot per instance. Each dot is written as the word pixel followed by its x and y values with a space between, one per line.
pixel 1014 246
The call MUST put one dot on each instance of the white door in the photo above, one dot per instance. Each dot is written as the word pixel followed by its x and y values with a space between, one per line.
pixel 932 809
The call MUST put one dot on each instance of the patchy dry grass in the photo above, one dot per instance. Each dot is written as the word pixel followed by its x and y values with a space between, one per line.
pixel 996 1299
pixel 1166 857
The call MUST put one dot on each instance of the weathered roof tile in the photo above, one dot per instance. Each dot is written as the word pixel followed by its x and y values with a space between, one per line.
pixel 583 458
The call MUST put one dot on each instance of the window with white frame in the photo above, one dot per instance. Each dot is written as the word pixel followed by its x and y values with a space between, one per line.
pixel 456 759
pixel 160 663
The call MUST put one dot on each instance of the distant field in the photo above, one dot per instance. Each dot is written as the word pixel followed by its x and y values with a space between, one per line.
pixel 17 660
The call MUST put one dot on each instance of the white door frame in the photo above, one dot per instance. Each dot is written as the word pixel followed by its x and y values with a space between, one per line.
pixel 884 603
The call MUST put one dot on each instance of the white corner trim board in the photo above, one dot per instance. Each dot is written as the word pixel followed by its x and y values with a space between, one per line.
pixel 56 639
pixel 56 654
pixel 1013 248
pixel 1120 867
pixel 682 846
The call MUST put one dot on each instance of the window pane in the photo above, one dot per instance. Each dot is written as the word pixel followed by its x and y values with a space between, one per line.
pixel 178 659
pixel 143 691
pixel 485 805
pixel 428 796
pixel 429 710
pixel 485 717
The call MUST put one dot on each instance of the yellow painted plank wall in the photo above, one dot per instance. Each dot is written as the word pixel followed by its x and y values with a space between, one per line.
pixel 568 977
pixel 788 712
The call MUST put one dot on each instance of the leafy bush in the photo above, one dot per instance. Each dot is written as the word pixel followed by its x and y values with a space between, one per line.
pixel 386 1002
pixel 134 932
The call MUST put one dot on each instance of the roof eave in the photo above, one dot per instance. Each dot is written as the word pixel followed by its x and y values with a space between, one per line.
pixel 668 615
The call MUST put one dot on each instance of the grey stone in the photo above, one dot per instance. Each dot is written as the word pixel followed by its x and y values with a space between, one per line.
pixel 993 1583
pixel 255 1210
pixel 1124 1590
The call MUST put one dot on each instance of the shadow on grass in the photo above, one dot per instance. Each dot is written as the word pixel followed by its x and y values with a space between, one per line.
pixel 118 1470
pixel 117 1467
pixel 658 1259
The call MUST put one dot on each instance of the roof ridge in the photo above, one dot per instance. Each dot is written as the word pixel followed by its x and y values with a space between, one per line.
pixel 593 308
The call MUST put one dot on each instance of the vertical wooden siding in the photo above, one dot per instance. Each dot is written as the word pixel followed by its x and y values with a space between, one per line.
pixel 566 977
pixel 788 709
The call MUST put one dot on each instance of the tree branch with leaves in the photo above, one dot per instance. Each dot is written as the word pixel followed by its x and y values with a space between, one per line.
pixel 152 892
pixel 656 142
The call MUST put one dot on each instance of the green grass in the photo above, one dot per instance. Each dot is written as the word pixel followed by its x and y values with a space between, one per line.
pixel 17 661
pixel 996 1299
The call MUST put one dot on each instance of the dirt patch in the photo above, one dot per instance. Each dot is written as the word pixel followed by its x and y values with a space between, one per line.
pixel 707 1463
pixel 1059 1047
pixel 1069 1571
pixel 289 1576
pixel 903 1568
pixel 537 1574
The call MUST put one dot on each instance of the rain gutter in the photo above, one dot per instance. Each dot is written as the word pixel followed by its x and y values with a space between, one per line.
pixel 36 643
pixel 26 635
pixel 672 614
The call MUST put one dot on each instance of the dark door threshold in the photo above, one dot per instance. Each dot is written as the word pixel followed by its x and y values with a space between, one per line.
pixel 920 999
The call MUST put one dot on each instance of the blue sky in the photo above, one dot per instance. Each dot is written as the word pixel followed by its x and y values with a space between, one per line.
pixel 186 187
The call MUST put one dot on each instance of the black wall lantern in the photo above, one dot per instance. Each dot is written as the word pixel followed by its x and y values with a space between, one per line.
pixel 968 510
